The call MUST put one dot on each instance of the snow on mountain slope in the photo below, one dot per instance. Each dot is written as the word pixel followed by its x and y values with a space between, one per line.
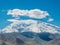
pixel 30 25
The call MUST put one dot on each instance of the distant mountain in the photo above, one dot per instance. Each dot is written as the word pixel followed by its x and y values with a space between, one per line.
pixel 29 32
pixel 30 26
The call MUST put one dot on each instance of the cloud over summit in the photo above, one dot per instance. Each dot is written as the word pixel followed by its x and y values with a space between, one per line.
pixel 34 13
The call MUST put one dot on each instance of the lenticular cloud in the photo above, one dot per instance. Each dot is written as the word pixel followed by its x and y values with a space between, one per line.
pixel 34 13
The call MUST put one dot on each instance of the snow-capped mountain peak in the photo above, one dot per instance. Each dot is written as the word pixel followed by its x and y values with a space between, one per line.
pixel 30 25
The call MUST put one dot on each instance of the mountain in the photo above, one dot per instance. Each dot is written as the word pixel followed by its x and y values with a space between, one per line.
pixel 29 32
pixel 30 25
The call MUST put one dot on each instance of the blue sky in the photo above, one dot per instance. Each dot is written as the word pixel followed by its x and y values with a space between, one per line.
pixel 52 6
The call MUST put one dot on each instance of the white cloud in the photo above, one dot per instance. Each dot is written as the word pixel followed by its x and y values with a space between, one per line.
pixel 17 12
pixel 34 13
pixel 50 19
